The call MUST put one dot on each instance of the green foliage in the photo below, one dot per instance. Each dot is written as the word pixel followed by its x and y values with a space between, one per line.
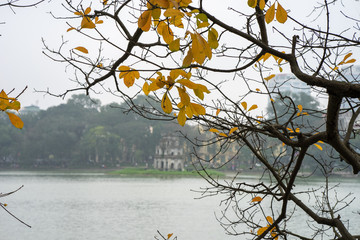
pixel 80 134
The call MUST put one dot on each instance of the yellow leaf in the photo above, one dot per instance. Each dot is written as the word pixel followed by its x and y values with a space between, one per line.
pixel 217 111
pixel 265 57
pixel 212 38
pixel 184 97
pixel 87 23
pixel 270 14
pixel 252 3
pixel 4 101
pixel 162 3
pixel 318 146
pixel 200 48
pixel 82 49
pixel 188 59
pixel 185 3
pixel 300 107
pixel 269 77
pixel 166 104
pixel 347 56
pixel 155 13
pixel 175 45
pixel 169 235
pixel 290 130
pixel 261 230
pixel 69 29
pixel 269 219
pixel 258 90
pixel 350 61
pixel 198 109
pixel 144 21
pixel 87 10
pixel 256 199
pixel 214 130
pixel 15 105
pixel 297 130
pixel 189 111
pixel 105 2
pixel 129 75
pixel 262 4
pixel 254 106
pixel 181 117
pixel 233 130
pixel 171 12
pixel 165 31
pixel 146 88
pixel 15 120
pixel 281 14
pixel 223 134
pixel 97 21
pixel 244 104
pixel 272 100
pixel 199 94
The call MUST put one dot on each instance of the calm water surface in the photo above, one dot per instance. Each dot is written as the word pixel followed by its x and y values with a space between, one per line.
pixel 66 206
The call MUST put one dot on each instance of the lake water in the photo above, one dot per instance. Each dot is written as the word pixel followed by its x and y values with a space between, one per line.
pixel 66 206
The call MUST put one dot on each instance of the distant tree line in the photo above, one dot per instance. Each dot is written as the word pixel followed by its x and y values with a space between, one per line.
pixel 84 134
pixel 81 133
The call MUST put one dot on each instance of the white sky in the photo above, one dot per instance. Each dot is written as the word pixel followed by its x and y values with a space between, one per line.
pixel 22 62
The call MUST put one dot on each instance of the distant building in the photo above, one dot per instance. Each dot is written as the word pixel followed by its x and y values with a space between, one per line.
pixel 30 109
pixel 169 154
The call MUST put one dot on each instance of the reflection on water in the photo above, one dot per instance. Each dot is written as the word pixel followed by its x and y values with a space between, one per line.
pixel 92 206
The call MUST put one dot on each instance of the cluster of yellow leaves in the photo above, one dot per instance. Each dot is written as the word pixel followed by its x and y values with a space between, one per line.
pixel 345 61
pixel 129 75
pixel 231 131
pixel 281 14
pixel 300 107
pixel 183 85
pixel 200 49
pixel 272 231
pixel 7 104
pixel 253 107
pixel 86 21
pixel 266 56
pixel 297 130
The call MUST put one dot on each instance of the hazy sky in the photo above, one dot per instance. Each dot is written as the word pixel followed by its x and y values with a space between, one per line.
pixel 22 62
